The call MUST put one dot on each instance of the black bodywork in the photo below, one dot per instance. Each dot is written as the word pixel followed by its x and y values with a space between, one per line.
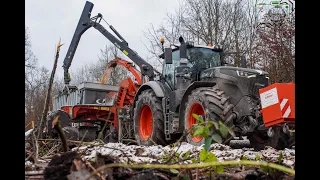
pixel 242 86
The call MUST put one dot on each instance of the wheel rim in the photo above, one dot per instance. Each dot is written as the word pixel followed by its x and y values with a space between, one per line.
pixel 145 122
pixel 196 108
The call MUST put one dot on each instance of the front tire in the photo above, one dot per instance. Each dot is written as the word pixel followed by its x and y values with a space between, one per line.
pixel 148 119
pixel 212 104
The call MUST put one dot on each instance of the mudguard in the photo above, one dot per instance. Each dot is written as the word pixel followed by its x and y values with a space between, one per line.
pixel 155 86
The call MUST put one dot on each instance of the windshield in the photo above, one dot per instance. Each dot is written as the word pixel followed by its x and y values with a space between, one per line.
pixel 203 57
pixel 199 59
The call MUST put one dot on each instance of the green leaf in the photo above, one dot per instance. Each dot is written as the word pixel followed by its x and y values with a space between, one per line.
pixel 265 169
pixel 177 154
pixel 186 177
pixel 219 169
pixel 257 157
pixel 228 129
pixel 271 171
pixel 194 128
pixel 206 133
pixel 201 119
pixel 174 171
pixel 186 155
pixel 210 157
pixel 93 159
pixel 194 160
pixel 199 131
pixel 209 124
pixel 207 144
pixel 203 154
pixel 217 138
pixel 280 159
pixel 244 158
pixel 196 116
pixel 223 130
pixel 231 132
pixel 216 125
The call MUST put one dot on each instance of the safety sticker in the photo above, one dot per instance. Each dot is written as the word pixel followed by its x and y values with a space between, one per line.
pixel 269 98
pixel 285 107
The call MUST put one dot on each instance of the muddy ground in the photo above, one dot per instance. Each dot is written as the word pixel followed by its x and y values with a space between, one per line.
pixel 82 160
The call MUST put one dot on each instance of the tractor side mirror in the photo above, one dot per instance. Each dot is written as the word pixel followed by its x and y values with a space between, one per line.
pixel 222 59
pixel 243 62
pixel 168 55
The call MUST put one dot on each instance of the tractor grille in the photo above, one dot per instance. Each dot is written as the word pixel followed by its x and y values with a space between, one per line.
pixel 252 85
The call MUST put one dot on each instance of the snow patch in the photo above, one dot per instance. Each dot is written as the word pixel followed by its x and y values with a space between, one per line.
pixel 158 154
pixel 228 154
pixel 252 155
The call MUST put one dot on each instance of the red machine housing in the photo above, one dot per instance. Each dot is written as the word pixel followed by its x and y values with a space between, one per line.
pixel 278 104
pixel 123 98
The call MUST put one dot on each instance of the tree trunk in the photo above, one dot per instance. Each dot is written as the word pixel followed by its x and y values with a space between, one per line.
pixel 48 97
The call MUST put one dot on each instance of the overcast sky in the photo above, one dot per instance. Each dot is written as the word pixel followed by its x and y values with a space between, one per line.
pixel 49 20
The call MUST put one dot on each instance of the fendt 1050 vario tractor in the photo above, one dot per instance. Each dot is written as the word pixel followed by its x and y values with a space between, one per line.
pixel 195 80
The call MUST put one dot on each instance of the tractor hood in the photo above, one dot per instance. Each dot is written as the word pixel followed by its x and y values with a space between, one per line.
pixel 249 81
pixel 234 72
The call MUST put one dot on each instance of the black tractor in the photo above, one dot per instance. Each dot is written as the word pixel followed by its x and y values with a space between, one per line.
pixel 195 80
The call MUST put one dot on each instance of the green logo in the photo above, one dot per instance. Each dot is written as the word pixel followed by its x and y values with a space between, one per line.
pixel 270 12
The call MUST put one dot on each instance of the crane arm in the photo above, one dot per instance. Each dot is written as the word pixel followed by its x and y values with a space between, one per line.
pixel 85 22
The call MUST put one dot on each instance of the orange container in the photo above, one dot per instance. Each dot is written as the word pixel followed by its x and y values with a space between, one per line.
pixel 278 103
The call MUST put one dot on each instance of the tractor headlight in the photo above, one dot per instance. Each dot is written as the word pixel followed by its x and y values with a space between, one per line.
pixel 246 74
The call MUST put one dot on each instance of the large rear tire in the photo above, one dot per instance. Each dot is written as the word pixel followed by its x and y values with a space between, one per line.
pixel 212 104
pixel 148 119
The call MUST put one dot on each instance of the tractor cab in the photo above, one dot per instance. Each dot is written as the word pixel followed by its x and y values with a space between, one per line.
pixel 199 58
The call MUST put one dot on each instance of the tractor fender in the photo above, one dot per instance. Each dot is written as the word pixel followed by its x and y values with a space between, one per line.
pixel 184 99
pixel 156 86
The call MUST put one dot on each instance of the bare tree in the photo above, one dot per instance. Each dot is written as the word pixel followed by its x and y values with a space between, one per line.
pixel 36 84
pixel 277 54
pixel 201 21
pixel 30 58
pixel 170 30
pixel 231 24
pixel 251 40
pixel 35 91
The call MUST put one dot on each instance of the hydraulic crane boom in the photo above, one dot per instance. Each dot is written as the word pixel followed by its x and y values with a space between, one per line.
pixel 85 22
